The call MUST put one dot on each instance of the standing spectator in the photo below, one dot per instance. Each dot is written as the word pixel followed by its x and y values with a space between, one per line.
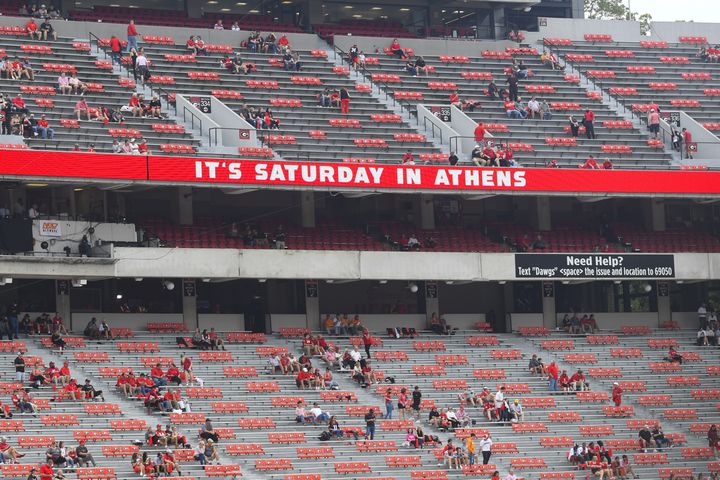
pixel 131 37
pixel 402 403
pixel 702 315
pixel 142 66
pixel 687 140
pixel 367 340
pixel 588 120
pixel 553 373
pixel 470 445
pixel 617 393
pixel 388 404
pixel 479 133
pixel 19 363
pixel 486 448
pixel 46 470
pixel 370 424
pixel 344 101
pixel 115 49
pixel 512 82
pixel 653 120
pixel 416 401
pixel 714 440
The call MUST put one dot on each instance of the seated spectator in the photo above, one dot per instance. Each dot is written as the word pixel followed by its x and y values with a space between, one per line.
pixel 421 66
pixel 43 128
pixel 235 27
pixel 513 110
pixel 199 342
pixel 411 68
pixel 645 437
pixel 47 31
pixel 57 340
pixel 26 69
pixel 564 382
pixel 84 457
pixel 283 44
pixel 76 85
pixel 534 107
pixel 254 41
pixel 577 380
pixel 81 108
pixel 271 122
pixel 32 29
pixel 674 356
pixel 92 331
pixel 396 49
pixel 8 454
pixel 516 411
pixel 155 106
pixel 270 44
pixel 218 25
pixel 550 60
pixel 303 378
pixel 590 164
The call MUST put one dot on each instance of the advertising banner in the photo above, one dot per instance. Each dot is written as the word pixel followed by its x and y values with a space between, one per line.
pixel 593 265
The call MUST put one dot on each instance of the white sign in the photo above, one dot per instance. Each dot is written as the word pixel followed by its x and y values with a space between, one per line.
pixel 50 229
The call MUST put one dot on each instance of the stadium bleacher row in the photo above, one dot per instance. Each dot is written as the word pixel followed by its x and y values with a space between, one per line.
pixel 670 75
pixel 253 410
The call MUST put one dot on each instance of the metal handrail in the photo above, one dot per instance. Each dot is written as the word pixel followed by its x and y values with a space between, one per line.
pixel 434 126
pixel 92 36
pixel 213 133
pixel 192 118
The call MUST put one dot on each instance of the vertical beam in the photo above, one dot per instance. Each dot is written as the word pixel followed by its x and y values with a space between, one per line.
pixel 657 214
pixel 185 206
pixel 427 212
pixel 307 209
pixel 432 300
pixel 312 305
pixel 548 304
pixel 62 302
pixel 189 303
pixel 544 217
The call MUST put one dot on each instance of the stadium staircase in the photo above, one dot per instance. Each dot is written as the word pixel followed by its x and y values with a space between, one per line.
pixel 106 90
pixel 637 75
pixel 534 141
pixel 370 133
pixel 255 409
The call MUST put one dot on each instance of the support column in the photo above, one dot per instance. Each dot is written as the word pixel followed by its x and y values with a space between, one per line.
pixel 509 298
pixel 498 26
pixel 185 206
pixel 548 304
pixel 432 300
pixel 544 217
pixel 662 289
pixel 312 305
pixel 62 302
pixel 190 316
pixel 657 214
pixel 307 209
pixel 427 212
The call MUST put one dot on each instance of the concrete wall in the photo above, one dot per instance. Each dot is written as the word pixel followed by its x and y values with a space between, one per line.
pixel 465 127
pixel 136 321
pixel 374 45
pixel 71 232
pixel 81 30
pixel 227 118
pixel 708 144
pixel 279 321
pixel 230 322
pixel 518 320
pixel 672 31
pixel 575 29
pixel 441 131
pixel 615 321
pixel 193 118
pixel 686 319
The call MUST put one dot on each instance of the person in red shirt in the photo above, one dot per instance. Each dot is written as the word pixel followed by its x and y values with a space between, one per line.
pixel 18 102
pixel 283 43
pixel 367 340
pixel 303 379
pixel 564 381
pixel 43 128
pixel 408 158
pixel 617 393
pixel 553 373
pixel 134 104
pixel 186 363
pixel 588 120
pixel 158 376
pixel 32 30
pixel 479 133
pixel 489 155
pixel 590 163
pixel 115 49
pixel 131 37
pixel 687 140
pixel 46 470
pixel 396 49
pixel 63 375
pixel 173 374
pixel 607 164
pixel 143 146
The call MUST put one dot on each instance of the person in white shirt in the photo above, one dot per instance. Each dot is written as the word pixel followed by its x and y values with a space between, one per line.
pixel 702 315
pixel 413 241
pixel 219 25
pixel 133 147
pixel 235 27
pixel 33 212
pixel 486 448
pixel 318 415
pixel 534 107
pixel 702 337
pixel 355 354
pixel 64 84
pixel 511 475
